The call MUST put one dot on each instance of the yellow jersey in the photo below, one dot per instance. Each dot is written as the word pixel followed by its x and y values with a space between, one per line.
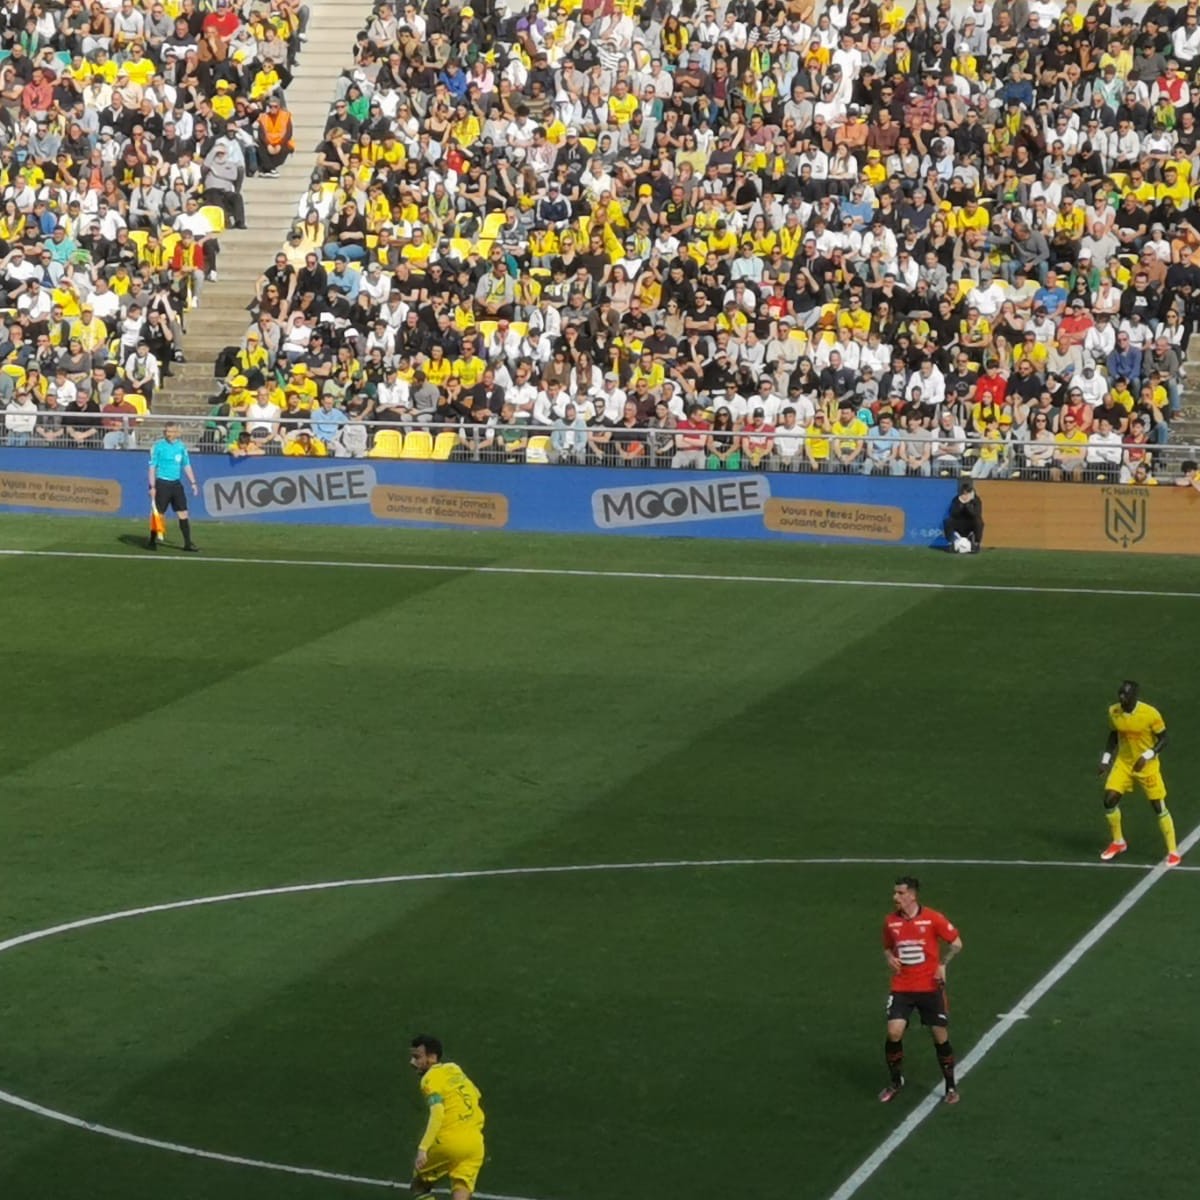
pixel 447 1084
pixel 1137 730
pixel 622 108
pixel 469 370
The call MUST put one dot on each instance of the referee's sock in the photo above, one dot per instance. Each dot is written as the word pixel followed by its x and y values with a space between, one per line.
pixel 894 1053
pixel 945 1053
pixel 185 527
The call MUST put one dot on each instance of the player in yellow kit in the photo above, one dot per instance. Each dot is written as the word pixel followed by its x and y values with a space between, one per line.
pixel 452 1144
pixel 1136 737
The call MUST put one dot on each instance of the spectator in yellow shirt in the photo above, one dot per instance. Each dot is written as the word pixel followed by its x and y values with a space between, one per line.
pixel 649 370
pixel 90 330
pixel 621 105
pixel 469 368
pixel 302 444
pixel 437 369
pixel 418 251
pixel 850 438
pixel 817 443
pixel 971 216
pixel 303 385
pixel 1029 347
pixel 1173 188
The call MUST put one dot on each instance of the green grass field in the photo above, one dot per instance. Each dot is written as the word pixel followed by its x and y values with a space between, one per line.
pixel 177 728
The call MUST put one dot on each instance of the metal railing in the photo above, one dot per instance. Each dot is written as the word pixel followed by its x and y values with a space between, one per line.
pixel 608 446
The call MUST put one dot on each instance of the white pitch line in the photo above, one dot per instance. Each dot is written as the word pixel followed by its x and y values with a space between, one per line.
pixel 122 1135
pixel 38 935
pixel 235 1160
pixel 584 573
pixel 1020 1010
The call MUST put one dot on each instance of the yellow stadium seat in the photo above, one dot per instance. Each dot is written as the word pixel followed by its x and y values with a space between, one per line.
pixel 540 272
pixel 389 443
pixel 214 214
pixel 444 446
pixel 460 248
pixel 492 225
pixel 169 242
pixel 486 328
pixel 139 402
pixel 964 286
pixel 372 241
pixel 329 187
pixel 418 445
pixel 538 450
pixel 483 247
pixel 139 237
pixel 14 372
pixel 520 328
pixel 328 264
pixel 589 144
pixel 1120 179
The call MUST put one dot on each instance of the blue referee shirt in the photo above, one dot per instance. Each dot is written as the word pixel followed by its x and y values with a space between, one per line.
pixel 169 459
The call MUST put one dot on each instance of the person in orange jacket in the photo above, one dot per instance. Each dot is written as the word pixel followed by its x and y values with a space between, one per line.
pixel 275 140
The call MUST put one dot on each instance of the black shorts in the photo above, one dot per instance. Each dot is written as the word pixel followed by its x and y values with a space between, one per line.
pixel 169 493
pixel 931 1006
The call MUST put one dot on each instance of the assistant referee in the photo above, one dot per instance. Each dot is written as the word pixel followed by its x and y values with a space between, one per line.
pixel 169 463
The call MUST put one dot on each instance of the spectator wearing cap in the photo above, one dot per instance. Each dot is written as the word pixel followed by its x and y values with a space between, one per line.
pixel 274 136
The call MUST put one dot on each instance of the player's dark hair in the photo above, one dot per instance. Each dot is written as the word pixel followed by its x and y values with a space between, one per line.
pixel 909 881
pixel 430 1045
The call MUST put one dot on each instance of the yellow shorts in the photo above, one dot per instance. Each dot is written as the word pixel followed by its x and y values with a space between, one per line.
pixel 460 1158
pixel 1121 777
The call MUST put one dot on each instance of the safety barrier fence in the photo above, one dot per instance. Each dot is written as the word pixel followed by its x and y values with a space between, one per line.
pixel 738 504
pixel 310 435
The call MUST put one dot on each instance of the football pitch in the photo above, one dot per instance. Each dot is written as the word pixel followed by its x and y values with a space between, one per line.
pixel 618 821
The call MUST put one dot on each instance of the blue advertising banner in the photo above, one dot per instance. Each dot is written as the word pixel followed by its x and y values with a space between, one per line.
pixel 841 508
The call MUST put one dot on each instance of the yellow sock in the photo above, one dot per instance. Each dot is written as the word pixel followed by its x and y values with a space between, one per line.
pixel 1168 830
pixel 1114 823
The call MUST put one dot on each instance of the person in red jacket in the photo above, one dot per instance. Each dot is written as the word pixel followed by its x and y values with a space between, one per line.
pixel 187 269
pixel 992 387
pixel 224 20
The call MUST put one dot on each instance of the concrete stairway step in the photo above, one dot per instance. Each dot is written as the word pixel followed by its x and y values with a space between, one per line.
pixel 221 318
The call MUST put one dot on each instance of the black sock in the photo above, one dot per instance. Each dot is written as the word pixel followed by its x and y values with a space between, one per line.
pixel 185 527
pixel 894 1053
pixel 945 1053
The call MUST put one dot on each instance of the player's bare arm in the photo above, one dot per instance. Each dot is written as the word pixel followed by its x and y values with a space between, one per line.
pixel 893 963
pixel 1148 756
pixel 952 950
pixel 1110 748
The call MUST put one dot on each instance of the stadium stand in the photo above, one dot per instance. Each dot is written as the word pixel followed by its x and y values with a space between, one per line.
pixel 830 236
pixel 131 135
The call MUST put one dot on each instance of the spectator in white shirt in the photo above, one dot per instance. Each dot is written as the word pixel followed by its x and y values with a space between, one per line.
pixel 1105 448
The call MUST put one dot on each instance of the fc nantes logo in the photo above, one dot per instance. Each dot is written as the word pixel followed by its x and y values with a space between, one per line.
pixel 1125 516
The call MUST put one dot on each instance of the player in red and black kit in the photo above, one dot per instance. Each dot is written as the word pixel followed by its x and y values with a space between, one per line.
pixel 911 937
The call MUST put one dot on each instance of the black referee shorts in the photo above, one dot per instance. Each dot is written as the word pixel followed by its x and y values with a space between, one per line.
pixel 169 493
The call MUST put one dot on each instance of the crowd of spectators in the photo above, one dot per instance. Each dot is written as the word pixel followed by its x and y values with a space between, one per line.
pixel 127 128
pixel 930 239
